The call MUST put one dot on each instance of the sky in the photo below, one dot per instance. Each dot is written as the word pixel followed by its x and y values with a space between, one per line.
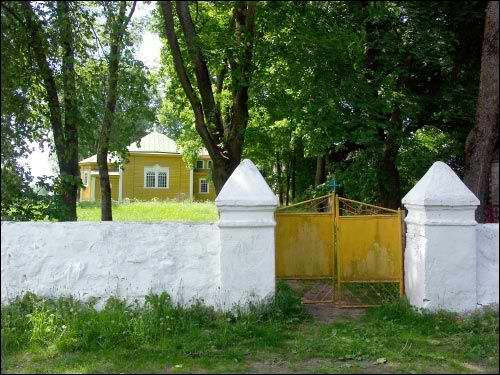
pixel 39 161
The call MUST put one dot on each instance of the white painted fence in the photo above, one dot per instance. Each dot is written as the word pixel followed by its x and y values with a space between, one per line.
pixel 228 263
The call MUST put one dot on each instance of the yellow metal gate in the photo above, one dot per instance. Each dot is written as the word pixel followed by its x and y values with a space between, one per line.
pixel 341 251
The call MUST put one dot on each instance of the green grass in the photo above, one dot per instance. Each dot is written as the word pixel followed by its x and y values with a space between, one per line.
pixel 63 335
pixel 152 211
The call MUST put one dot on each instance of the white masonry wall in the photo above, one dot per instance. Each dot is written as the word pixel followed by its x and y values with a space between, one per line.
pixel 487 263
pixel 451 261
pixel 224 264
pixel 246 205
pixel 102 259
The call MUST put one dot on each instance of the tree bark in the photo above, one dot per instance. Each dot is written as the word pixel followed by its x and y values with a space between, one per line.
pixel 223 138
pixel 483 138
pixel 288 180
pixel 320 176
pixel 65 135
pixel 279 177
pixel 389 182
pixel 388 178
pixel 72 169
pixel 118 27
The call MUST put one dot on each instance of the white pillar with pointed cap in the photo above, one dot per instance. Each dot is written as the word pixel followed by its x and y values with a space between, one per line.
pixel 440 254
pixel 246 206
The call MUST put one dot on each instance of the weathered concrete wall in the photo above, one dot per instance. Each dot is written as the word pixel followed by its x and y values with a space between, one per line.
pixel 487 264
pixel 246 205
pixel 122 259
pixel 228 263
pixel 440 255
pixel 451 262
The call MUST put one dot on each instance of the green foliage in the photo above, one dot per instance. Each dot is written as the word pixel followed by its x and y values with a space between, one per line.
pixel 423 148
pixel 24 100
pixel 137 98
pixel 135 112
pixel 312 73
pixel 326 75
pixel 20 202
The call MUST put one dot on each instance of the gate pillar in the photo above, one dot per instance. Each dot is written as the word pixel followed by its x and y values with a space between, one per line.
pixel 440 254
pixel 246 206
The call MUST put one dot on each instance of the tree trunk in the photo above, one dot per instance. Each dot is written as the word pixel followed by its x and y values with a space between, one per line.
pixel 71 171
pixel 483 138
pixel 389 183
pixel 223 167
pixel 65 136
pixel 223 138
pixel 279 177
pixel 117 31
pixel 320 170
pixel 389 179
pixel 288 177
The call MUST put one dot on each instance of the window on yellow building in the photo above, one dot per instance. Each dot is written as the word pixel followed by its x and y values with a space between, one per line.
pixel 199 164
pixel 85 178
pixel 150 179
pixel 203 186
pixel 156 177
pixel 162 179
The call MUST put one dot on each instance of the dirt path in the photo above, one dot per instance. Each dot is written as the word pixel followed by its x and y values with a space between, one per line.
pixel 328 313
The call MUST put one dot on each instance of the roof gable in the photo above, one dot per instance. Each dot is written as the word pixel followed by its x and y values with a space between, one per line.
pixel 154 142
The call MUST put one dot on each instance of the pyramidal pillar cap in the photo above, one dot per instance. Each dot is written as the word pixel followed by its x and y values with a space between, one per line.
pixel 440 186
pixel 246 187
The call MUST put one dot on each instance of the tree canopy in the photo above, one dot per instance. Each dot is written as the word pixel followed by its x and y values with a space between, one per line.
pixel 365 93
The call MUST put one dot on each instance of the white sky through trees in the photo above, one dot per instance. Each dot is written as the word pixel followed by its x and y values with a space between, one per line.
pixel 39 161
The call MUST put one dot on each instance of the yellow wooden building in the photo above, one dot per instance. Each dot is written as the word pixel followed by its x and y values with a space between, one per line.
pixel 155 169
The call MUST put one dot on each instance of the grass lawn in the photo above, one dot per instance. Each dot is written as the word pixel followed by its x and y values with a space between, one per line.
pixel 56 336
pixel 152 211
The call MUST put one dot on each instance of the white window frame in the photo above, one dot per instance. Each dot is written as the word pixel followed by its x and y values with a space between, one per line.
pixel 209 164
pixel 199 186
pixel 156 169
pixel 149 170
pixel 85 178
pixel 202 164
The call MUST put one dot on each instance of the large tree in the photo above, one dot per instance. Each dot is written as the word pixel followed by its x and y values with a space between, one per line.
pixel 117 25
pixel 222 130
pixel 375 91
pixel 62 109
pixel 482 141
pixel 77 74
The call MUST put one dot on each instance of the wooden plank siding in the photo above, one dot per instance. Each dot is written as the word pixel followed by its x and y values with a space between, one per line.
pixel 178 179
pixel 133 179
